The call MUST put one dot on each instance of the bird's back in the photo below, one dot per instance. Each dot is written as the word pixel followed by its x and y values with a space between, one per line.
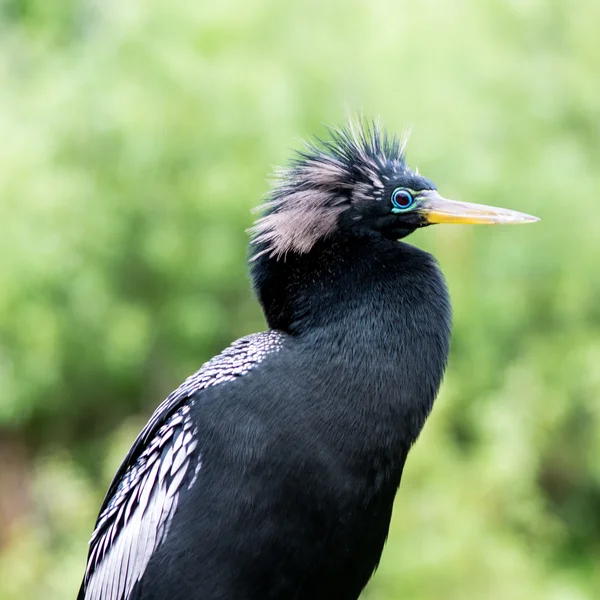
pixel 143 498
pixel 271 502
pixel 278 508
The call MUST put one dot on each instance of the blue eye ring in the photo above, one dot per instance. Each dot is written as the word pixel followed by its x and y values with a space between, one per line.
pixel 402 200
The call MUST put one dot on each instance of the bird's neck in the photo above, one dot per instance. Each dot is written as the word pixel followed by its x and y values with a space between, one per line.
pixel 375 316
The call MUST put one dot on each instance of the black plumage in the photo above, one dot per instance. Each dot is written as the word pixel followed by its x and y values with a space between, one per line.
pixel 271 473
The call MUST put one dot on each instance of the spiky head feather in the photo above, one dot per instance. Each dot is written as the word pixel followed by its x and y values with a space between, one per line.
pixel 354 165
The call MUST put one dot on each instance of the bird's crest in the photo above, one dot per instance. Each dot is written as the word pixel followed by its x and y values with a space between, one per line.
pixel 322 181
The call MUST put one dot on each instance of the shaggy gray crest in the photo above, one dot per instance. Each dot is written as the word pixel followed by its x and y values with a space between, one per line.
pixel 354 165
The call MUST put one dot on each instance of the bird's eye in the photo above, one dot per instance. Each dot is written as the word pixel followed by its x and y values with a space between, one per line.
pixel 402 200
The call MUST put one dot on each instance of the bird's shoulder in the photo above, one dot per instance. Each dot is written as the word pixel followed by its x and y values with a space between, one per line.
pixel 143 496
pixel 234 361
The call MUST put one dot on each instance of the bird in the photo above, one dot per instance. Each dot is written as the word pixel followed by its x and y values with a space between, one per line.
pixel 271 472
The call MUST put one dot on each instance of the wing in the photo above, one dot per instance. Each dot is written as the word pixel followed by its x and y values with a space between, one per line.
pixel 142 499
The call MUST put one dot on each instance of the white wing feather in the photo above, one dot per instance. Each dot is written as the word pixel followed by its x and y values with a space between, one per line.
pixel 143 497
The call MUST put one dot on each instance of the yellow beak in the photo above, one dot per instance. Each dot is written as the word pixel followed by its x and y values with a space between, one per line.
pixel 437 209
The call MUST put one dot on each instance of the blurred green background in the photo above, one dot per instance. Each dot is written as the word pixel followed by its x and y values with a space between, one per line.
pixel 136 136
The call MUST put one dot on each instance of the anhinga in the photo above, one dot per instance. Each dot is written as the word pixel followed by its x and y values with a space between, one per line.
pixel 271 472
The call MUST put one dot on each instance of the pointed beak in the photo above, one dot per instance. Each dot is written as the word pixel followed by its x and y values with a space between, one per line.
pixel 437 209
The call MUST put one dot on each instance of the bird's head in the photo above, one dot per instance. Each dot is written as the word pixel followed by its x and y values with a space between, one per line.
pixel 357 183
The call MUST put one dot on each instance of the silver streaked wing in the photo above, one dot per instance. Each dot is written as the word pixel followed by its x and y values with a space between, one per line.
pixel 143 496
pixel 137 518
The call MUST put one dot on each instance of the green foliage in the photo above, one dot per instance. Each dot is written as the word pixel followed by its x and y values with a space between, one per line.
pixel 136 137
